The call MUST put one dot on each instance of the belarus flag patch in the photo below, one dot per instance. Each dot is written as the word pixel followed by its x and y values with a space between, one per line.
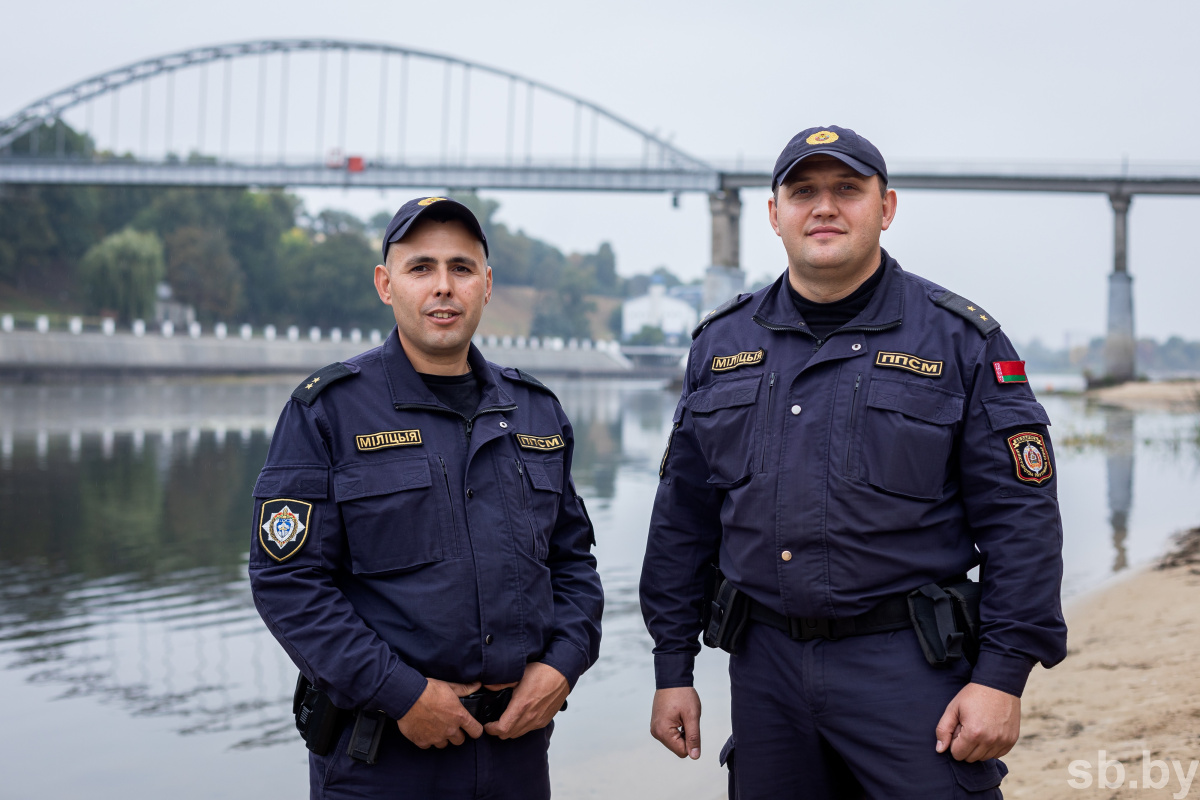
pixel 1010 371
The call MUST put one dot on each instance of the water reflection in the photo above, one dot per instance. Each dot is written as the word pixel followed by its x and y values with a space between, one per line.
pixel 1118 433
pixel 122 578
pixel 122 568
pixel 122 556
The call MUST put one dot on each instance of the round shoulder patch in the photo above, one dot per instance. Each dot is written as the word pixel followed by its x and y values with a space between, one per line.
pixel 283 527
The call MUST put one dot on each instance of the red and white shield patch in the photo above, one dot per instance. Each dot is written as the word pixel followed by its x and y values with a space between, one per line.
pixel 1031 457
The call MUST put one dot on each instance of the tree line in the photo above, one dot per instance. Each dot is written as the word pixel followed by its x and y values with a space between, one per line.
pixel 249 255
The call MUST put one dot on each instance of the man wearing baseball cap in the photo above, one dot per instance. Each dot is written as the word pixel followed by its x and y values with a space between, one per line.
pixel 850 442
pixel 418 547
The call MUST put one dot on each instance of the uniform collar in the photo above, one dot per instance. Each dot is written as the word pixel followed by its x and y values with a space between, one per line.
pixel 409 390
pixel 886 309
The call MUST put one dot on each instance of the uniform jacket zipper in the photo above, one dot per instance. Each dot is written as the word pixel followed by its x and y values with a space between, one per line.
pixel 469 422
pixel 449 494
pixel 525 501
pixel 762 467
pixel 771 326
pixel 853 407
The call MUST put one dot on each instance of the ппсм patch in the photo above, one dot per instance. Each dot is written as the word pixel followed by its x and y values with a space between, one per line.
pixel 527 442
pixel 921 366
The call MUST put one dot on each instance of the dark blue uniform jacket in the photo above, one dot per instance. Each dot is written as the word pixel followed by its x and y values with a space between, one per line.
pixel 826 476
pixel 460 552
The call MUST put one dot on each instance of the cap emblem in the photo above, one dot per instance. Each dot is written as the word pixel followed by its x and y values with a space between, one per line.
pixel 428 201
pixel 822 137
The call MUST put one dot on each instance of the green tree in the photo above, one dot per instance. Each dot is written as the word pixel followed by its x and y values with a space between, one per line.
pixel 120 273
pixel 329 283
pixel 648 335
pixel 602 265
pixel 203 274
pixel 564 310
pixel 257 222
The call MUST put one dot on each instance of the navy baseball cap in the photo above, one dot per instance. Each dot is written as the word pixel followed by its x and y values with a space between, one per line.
pixel 842 143
pixel 443 209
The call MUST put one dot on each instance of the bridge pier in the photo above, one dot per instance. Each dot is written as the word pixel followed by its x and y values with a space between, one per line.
pixel 724 278
pixel 1119 345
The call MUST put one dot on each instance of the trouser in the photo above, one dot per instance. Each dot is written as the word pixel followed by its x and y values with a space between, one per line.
pixel 486 768
pixel 853 718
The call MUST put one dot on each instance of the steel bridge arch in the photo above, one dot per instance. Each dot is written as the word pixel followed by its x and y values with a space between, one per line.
pixel 49 108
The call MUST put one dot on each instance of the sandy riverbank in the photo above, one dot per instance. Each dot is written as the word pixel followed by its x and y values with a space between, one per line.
pixel 1180 396
pixel 1131 683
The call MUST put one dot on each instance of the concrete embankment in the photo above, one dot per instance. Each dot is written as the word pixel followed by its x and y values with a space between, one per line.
pixel 30 354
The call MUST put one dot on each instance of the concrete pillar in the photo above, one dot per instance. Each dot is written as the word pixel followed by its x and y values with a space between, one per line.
pixel 724 278
pixel 1120 342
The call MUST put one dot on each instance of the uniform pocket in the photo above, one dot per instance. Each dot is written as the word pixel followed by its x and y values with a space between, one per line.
pixel 908 436
pixel 1012 412
pixel 724 415
pixel 545 476
pixel 396 515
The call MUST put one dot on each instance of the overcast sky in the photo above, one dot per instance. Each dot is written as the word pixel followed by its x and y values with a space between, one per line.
pixel 955 82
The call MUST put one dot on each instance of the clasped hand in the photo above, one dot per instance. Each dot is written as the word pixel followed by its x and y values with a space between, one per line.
pixel 438 718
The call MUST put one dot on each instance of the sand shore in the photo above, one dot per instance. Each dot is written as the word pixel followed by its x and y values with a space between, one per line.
pixel 1130 685
pixel 1179 396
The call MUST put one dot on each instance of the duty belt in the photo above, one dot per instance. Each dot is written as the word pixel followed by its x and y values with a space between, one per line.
pixel 892 614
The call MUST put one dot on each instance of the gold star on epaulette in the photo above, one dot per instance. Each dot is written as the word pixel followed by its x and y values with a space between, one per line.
pixel 982 317
pixel 308 385
pixel 316 379
pixel 970 308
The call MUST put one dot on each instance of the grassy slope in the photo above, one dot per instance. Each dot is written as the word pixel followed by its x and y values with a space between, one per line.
pixel 511 311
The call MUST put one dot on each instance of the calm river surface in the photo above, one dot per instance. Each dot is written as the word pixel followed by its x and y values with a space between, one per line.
pixel 133 664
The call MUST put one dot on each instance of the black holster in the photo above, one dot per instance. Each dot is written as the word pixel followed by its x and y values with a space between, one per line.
pixel 320 723
pixel 317 718
pixel 727 614
pixel 946 619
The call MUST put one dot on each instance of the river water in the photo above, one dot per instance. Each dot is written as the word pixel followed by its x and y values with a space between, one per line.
pixel 133 664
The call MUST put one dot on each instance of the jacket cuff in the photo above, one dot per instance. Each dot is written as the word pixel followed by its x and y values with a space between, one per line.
pixel 672 670
pixel 567 659
pixel 1006 673
pixel 401 689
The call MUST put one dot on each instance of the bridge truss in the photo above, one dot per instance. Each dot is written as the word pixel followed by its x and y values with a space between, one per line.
pixel 329 112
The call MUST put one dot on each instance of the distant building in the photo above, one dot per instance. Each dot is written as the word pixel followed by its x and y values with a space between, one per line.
pixel 674 317
pixel 721 284
pixel 167 310
pixel 690 293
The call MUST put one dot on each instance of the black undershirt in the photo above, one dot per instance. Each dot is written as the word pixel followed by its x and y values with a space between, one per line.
pixel 823 319
pixel 459 392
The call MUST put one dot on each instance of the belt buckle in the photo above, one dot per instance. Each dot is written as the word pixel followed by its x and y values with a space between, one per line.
pixel 808 628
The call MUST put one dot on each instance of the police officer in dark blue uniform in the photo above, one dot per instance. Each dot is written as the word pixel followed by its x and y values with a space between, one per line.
pixel 419 547
pixel 849 443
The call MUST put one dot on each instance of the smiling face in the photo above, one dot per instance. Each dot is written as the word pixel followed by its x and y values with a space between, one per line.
pixel 830 217
pixel 437 282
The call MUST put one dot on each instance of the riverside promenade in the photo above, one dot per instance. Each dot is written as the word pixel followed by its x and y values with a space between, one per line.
pixel 32 355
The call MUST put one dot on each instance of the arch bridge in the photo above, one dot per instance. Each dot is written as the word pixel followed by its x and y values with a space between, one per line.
pixel 337 113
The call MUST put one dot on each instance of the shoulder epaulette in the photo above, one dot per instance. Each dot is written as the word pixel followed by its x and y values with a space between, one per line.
pixel 968 311
pixel 314 384
pixel 720 311
pixel 524 377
